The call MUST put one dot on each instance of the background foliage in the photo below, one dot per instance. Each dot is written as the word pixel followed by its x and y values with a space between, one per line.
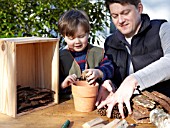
pixel 21 18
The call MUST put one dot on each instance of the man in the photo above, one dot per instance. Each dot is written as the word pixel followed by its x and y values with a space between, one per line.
pixel 140 51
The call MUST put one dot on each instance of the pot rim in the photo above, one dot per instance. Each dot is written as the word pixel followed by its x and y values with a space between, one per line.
pixel 96 84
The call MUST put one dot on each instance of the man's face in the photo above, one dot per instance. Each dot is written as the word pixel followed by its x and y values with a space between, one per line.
pixel 79 41
pixel 126 18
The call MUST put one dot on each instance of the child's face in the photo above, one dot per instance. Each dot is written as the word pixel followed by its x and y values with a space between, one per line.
pixel 79 41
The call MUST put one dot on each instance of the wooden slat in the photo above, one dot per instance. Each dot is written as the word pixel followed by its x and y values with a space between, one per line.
pixel 55 72
pixel 25 58
pixel 24 40
pixel 8 79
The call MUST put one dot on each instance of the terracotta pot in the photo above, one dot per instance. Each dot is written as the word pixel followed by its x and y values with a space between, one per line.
pixel 84 96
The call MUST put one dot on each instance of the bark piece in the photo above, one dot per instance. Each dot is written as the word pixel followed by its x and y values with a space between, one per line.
pixel 44 90
pixel 144 101
pixel 141 109
pixel 139 117
pixel 162 96
pixel 23 106
pixel 29 98
pixel 162 102
pixel 39 96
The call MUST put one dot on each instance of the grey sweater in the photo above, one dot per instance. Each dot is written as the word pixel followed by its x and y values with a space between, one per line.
pixel 159 70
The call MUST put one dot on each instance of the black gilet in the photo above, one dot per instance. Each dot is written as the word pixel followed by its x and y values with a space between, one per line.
pixel 145 48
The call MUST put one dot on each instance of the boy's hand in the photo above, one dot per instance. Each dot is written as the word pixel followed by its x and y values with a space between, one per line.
pixel 106 89
pixel 92 75
pixel 69 80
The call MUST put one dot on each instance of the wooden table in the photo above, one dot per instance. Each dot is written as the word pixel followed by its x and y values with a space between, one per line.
pixel 79 118
pixel 54 117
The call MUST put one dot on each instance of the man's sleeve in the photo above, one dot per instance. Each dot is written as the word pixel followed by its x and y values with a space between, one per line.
pixel 159 70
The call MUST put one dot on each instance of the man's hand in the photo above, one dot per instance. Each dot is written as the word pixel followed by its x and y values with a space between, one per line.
pixel 121 96
pixel 69 80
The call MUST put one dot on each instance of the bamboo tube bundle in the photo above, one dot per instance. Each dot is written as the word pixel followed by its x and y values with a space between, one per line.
pixel 160 118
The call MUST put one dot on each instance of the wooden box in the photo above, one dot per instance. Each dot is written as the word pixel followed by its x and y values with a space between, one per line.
pixel 27 61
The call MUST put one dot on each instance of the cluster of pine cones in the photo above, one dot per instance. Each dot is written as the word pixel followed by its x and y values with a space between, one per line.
pixel 115 112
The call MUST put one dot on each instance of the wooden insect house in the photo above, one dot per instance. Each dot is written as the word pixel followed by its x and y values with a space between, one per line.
pixel 28 74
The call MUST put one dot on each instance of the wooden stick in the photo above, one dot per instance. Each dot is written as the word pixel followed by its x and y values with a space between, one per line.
pixel 93 122
pixel 112 123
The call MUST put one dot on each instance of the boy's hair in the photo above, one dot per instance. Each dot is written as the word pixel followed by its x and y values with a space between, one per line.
pixel 69 21
pixel 133 2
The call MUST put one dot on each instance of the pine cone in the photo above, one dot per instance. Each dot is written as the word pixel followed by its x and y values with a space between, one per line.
pixel 102 111
pixel 115 112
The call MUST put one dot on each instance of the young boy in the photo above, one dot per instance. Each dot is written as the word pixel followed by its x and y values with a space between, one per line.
pixel 78 55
